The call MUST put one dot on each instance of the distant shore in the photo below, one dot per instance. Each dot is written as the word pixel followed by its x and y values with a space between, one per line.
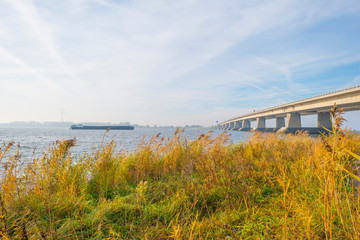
pixel 35 124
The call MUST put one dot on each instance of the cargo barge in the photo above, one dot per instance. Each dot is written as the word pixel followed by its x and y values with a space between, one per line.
pixel 100 127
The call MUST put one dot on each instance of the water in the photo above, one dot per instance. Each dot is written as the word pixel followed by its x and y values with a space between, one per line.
pixel 34 141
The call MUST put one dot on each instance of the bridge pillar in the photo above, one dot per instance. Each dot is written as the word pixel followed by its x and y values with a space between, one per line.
pixel 238 125
pixel 324 120
pixel 280 122
pixel 293 120
pixel 260 123
pixel 245 125
pixel 232 125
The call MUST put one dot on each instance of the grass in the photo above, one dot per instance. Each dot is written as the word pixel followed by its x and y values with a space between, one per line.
pixel 272 186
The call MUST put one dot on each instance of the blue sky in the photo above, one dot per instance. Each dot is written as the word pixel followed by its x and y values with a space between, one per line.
pixel 172 62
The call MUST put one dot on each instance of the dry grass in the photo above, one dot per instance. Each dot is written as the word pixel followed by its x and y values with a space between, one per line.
pixel 271 186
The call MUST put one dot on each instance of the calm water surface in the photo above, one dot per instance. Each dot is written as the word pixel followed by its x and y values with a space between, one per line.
pixel 33 141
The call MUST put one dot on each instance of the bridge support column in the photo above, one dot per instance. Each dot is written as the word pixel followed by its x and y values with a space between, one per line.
pixel 280 122
pixel 245 126
pixel 238 125
pixel 293 120
pixel 324 120
pixel 260 123
pixel 232 125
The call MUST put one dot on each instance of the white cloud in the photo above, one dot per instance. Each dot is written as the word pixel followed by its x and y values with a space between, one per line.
pixel 41 30
pixel 26 69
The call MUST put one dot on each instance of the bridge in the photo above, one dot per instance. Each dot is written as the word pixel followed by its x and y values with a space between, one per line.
pixel 288 116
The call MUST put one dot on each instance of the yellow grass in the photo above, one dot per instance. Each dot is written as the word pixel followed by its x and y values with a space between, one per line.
pixel 271 186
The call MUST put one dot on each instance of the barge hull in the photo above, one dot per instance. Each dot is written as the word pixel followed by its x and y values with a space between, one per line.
pixel 102 127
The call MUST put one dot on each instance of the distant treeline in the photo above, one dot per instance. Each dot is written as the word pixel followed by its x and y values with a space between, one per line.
pixel 35 124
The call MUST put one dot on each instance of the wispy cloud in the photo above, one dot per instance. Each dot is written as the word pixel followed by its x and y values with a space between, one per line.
pixel 285 70
pixel 158 60
pixel 353 83
pixel 41 30
pixel 26 69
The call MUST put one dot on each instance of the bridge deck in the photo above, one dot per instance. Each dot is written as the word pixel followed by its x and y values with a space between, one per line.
pixel 348 99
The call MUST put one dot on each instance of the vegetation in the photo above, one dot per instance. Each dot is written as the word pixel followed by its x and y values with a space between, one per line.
pixel 271 186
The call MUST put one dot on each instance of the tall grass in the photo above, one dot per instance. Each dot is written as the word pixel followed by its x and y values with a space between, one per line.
pixel 271 186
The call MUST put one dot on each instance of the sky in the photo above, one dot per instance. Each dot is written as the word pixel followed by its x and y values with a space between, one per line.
pixel 170 62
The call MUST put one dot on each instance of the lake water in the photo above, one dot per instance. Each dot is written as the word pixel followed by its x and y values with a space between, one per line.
pixel 33 141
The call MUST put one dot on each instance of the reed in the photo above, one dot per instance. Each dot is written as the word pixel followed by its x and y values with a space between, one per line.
pixel 272 186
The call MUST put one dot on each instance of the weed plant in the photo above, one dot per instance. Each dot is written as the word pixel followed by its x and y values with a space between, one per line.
pixel 272 186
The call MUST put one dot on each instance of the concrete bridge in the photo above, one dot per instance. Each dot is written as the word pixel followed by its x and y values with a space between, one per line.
pixel 288 116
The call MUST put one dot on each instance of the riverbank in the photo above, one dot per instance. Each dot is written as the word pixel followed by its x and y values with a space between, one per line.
pixel 271 186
